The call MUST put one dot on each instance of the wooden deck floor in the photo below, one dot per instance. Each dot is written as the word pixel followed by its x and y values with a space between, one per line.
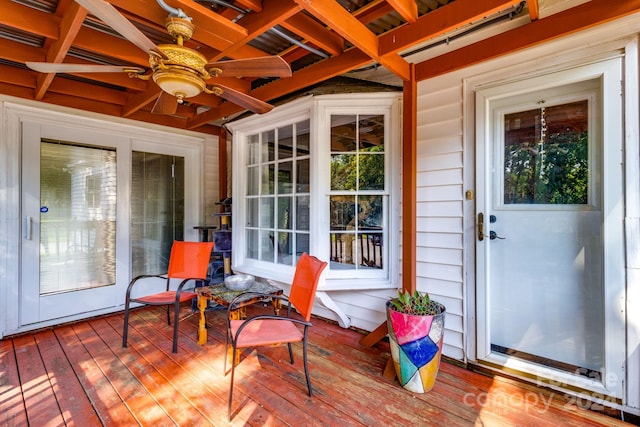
pixel 79 374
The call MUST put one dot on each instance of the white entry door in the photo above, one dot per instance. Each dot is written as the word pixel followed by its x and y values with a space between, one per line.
pixel 68 260
pixel 549 227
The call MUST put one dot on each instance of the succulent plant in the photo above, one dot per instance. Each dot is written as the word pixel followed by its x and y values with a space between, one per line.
pixel 418 303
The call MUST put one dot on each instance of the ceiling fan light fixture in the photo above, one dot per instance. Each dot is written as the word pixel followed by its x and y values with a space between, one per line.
pixel 178 82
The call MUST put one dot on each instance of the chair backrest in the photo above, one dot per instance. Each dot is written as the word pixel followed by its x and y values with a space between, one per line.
pixel 305 283
pixel 189 259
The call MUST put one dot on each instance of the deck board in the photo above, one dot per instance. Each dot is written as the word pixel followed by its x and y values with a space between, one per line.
pixel 78 374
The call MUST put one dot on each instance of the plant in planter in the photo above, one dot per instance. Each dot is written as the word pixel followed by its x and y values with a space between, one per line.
pixel 416 328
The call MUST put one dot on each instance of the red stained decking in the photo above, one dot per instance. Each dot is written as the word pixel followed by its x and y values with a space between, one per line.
pixel 79 375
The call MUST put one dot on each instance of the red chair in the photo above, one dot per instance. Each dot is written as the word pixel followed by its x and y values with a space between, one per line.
pixel 267 330
pixel 188 261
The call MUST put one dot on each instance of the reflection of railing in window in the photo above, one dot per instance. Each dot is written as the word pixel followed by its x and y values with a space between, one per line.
pixel 371 250
pixel 367 250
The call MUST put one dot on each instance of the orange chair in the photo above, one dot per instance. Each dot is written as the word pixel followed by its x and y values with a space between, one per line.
pixel 188 261
pixel 266 330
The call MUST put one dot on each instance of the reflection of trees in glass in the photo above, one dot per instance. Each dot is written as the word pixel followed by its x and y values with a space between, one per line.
pixel 343 172
pixel 546 158
pixel 345 167
pixel 557 174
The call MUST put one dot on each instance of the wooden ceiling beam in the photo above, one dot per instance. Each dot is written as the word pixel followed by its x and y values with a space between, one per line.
pixel 211 28
pixel 86 90
pixel 273 12
pixel 29 20
pixel 408 9
pixel 139 100
pixel 254 5
pixel 341 21
pixel 440 21
pixel 73 16
pixel 215 23
pixel 18 52
pixel 311 31
pixel 352 58
pixel 582 17
pixel 372 11
pixel 110 47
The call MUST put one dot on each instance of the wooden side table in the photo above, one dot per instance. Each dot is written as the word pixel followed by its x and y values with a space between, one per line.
pixel 219 294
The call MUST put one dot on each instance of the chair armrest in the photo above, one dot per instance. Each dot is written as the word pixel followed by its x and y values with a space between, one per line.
pixel 143 276
pixel 268 317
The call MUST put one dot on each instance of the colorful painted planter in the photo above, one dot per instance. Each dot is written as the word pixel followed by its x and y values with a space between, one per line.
pixel 416 346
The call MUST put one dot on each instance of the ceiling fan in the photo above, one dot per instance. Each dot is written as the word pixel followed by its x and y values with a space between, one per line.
pixel 179 71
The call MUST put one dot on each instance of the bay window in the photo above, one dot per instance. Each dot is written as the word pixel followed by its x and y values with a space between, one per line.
pixel 319 175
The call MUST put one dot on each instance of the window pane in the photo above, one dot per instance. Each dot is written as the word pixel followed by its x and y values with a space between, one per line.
pixel 370 212
pixel 284 210
pixel 342 212
pixel 302 244
pixel 342 250
pixel 285 177
pixel 343 133
pixel 302 138
pixel 252 212
pixel 252 244
pixel 370 250
pixel 285 248
pixel 266 246
pixel 343 172
pixel 268 178
pixel 371 170
pixel 266 212
pixel 252 181
pixel 268 141
pixel 253 142
pixel 302 176
pixel 371 133
pixel 546 155
pixel 302 213
pixel 285 142
pixel 280 209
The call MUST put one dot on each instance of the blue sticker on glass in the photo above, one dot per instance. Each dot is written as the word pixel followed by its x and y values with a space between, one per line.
pixel 44 209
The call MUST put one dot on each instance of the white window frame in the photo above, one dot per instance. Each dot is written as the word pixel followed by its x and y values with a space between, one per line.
pixel 319 110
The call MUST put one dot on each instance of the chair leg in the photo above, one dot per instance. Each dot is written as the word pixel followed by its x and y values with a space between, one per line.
pixel 306 366
pixel 176 323
pixel 290 353
pixel 233 370
pixel 125 328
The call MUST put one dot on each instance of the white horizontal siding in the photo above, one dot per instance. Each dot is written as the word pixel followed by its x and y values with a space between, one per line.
pixel 439 208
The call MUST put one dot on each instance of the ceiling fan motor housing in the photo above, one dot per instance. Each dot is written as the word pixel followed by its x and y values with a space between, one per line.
pixel 182 73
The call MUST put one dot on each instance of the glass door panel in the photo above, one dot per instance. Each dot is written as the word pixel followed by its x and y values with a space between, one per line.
pixel 157 210
pixel 77 217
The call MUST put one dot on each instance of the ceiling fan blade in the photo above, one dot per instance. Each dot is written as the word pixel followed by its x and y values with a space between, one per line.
pixel 48 67
pixel 246 101
pixel 266 66
pixel 165 104
pixel 110 16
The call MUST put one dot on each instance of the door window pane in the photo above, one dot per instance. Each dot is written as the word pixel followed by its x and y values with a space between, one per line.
pixel 77 217
pixel 546 155
pixel 157 210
